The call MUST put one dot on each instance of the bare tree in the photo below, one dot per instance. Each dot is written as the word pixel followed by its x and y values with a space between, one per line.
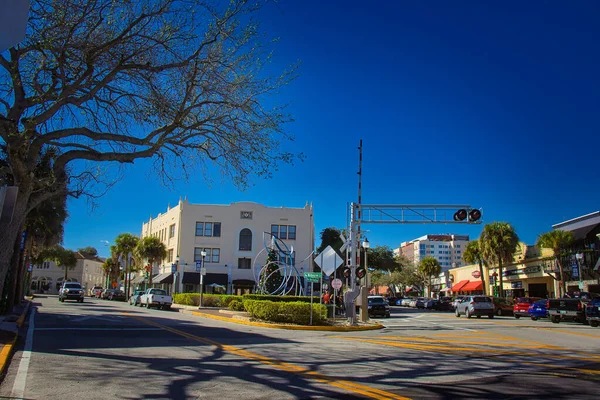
pixel 179 81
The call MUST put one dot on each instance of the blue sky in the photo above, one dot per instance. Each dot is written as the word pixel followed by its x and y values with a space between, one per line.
pixel 490 104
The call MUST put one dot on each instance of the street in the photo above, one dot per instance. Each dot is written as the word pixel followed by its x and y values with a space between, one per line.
pixel 110 350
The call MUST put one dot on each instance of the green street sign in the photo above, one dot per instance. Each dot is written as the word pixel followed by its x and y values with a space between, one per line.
pixel 312 276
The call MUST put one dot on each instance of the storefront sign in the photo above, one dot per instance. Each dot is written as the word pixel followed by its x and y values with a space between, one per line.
pixel 528 270
pixel 476 274
pixel 574 271
pixel 516 285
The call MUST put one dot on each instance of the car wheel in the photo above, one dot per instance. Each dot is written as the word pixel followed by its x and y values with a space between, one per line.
pixel 388 315
pixel 467 313
pixel 555 319
pixel 491 316
pixel 499 312
pixel 457 313
pixel 594 324
pixel 479 316
pixel 517 316
pixel 534 318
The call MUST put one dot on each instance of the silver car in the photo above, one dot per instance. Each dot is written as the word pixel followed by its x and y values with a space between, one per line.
pixel 475 305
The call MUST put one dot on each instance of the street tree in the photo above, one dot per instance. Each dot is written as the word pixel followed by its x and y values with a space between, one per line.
pixel 88 251
pixel 152 249
pixel 559 241
pixel 428 268
pixel 111 82
pixel 472 254
pixel 330 236
pixel 111 270
pixel 408 277
pixel 62 258
pixel 382 258
pixel 125 244
pixel 498 243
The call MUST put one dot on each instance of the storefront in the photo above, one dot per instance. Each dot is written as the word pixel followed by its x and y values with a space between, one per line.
pixel 528 279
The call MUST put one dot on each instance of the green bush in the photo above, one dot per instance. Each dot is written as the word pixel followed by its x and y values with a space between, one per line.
pixel 208 300
pixel 277 298
pixel 288 312
pixel 236 305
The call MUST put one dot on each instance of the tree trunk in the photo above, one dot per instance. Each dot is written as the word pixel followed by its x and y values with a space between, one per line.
pixel 562 284
pixel 482 276
pixel 8 236
pixel 501 291
pixel 150 273
pixel 11 278
pixel 16 274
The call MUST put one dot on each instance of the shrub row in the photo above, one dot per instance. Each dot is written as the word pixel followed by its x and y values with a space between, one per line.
pixel 303 299
pixel 297 312
pixel 208 300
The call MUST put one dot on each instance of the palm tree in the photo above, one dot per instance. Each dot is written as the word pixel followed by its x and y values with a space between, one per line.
pixel 471 255
pixel 152 249
pixel 429 267
pixel 124 245
pixel 559 241
pixel 498 242
pixel 111 269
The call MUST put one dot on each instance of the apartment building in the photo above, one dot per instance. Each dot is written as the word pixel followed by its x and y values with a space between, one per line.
pixel 49 277
pixel 233 240
pixel 447 249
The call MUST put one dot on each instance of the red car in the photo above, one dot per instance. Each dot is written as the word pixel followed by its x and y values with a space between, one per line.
pixel 521 307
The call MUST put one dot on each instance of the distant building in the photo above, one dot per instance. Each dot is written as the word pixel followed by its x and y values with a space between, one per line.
pixel 48 277
pixel 447 249
pixel 232 238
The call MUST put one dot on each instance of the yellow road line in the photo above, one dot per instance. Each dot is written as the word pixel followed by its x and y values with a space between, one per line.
pixel 316 376
pixel 556 330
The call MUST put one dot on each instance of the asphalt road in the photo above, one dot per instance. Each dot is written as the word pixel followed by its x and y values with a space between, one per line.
pixel 108 350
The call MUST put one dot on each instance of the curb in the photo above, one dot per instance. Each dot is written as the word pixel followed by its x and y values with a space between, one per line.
pixel 292 327
pixel 7 350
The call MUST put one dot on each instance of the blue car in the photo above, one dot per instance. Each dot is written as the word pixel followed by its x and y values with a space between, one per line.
pixel 538 310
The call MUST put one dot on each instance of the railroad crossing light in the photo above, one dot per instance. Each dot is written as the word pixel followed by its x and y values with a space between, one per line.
pixel 474 215
pixel 460 215
pixel 361 272
pixel 347 272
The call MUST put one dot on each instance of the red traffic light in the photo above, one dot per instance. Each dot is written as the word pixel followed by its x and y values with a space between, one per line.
pixel 474 215
pixel 347 272
pixel 460 215
pixel 361 272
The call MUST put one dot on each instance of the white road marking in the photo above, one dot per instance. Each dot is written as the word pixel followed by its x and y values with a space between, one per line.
pixel 97 329
pixel 112 318
pixel 18 390
pixel 447 326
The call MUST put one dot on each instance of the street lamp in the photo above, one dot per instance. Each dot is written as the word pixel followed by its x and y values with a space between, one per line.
pixel 174 267
pixel 203 254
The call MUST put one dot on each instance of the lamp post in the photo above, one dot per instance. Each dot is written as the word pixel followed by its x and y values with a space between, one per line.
pixel 174 267
pixel 203 254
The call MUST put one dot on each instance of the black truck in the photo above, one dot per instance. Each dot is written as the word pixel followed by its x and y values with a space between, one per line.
pixel 572 307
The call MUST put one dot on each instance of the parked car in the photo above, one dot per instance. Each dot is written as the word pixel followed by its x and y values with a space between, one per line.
pixel 135 299
pixel 94 290
pixel 405 302
pixel 445 304
pixel 593 312
pixel 431 304
pixel 521 306
pixel 117 295
pixel 71 291
pixel 457 300
pixel 377 305
pixel 571 307
pixel 538 310
pixel 502 306
pixel 475 305
pixel 412 303
pixel 156 298
pixel 106 293
pixel 392 300
pixel 420 303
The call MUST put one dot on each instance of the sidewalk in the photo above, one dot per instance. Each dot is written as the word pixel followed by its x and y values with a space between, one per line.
pixel 9 330
pixel 240 317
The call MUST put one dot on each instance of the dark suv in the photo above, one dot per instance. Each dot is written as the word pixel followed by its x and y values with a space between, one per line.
pixel 71 291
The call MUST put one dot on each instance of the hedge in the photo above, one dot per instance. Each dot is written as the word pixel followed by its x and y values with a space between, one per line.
pixel 270 297
pixel 236 305
pixel 297 312
pixel 208 300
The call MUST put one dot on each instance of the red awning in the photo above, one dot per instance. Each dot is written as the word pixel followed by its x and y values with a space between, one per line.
pixel 472 286
pixel 459 286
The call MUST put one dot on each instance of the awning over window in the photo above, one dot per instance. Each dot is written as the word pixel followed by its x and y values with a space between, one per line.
pixel 193 278
pixel 138 279
pixel 472 286
pixel 163 278
pixel 459 286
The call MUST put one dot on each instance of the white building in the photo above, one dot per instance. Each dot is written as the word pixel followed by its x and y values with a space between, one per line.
pixel 447 249
pixel 48 277
pixel 232 237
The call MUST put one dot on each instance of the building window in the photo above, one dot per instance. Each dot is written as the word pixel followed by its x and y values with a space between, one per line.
pixel 212 255
pixel 246 240
pixel 292 232
pixel 458 246
pixel 244 263
pixel 216 255
pixel 170 256
pixel 172 231
pixel 284 231
pixel 275 230
pixel 208 229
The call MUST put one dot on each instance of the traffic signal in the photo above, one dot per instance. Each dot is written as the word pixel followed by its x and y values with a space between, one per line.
pixel 474 215
pixel 347 272
pixel 361 272
pixel 460 215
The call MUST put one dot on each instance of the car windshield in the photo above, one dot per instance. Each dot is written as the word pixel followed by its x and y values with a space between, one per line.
pixel 72 286
pixel 482 300
pixel 376 300
pixel 159 292
pixel 523 300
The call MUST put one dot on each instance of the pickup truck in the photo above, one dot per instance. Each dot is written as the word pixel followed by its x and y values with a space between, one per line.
pixel 71 291
pixel 156 298
pixel 572 307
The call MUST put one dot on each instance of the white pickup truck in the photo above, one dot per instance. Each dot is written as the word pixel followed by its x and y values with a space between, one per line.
pixel 156 298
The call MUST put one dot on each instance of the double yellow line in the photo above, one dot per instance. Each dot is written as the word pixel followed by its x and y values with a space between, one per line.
pixel 353 387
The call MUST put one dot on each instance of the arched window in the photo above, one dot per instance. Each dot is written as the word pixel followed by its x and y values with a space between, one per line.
pixel 246 240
